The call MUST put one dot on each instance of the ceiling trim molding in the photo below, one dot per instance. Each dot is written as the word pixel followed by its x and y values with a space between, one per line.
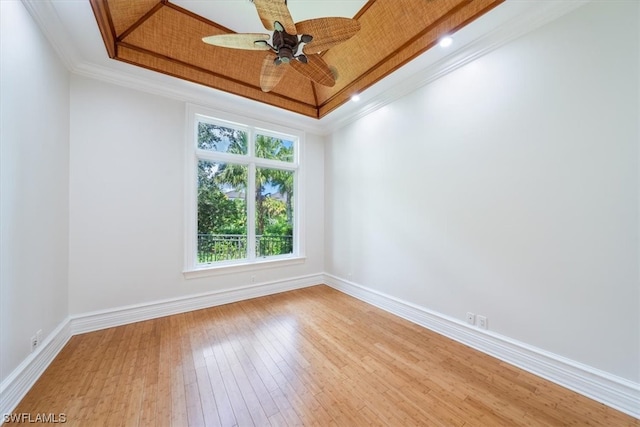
pixel 510 31
pixel 202 70
pixel 357 85
pixel 185 91
pixel 404 81
pixel 167 40
pixel 49 22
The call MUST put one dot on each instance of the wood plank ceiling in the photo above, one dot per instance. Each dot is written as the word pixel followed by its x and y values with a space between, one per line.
pixel 163 37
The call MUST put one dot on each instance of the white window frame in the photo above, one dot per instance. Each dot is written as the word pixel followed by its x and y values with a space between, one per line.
pixel 193 154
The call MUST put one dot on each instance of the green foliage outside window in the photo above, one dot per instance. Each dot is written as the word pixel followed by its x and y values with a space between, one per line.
pixel 222 203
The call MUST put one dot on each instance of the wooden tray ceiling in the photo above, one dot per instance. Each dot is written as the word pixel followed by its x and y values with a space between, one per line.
pixel 166 38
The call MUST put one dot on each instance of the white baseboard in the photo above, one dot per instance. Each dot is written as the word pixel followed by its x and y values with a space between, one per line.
pixel 97 320
pixel 19 382
pixel 613 391
pixel 616 392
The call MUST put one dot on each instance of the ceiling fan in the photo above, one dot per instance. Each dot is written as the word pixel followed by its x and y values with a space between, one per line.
pixel 311 37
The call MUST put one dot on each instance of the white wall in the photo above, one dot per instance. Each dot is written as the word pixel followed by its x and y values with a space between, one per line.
pixel 34 153
pixel 508 188
pixel 127 202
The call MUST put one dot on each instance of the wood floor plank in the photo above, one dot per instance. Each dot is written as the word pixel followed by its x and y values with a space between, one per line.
pixel 287 414
pixel 256 375
pixel 232 390
pixel 309 357
pixel 163 399
pixel 178 400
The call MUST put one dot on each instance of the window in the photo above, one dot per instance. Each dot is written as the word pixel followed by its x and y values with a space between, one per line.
pixel 243 204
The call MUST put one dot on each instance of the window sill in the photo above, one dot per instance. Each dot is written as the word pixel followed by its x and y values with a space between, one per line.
pixel 217 270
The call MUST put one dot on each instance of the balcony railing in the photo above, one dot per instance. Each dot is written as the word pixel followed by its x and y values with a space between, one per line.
pixel 225 247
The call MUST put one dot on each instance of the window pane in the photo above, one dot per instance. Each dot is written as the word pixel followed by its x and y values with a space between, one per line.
pixel 218 138
pixel 274 212
pixel 268 147
pixel 222 212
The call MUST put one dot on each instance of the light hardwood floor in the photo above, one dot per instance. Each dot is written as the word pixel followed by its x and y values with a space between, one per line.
pixel 308 357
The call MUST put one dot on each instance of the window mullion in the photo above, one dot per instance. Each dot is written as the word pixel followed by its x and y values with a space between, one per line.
pixel 213 156
pixel 251 202
pixel 275 164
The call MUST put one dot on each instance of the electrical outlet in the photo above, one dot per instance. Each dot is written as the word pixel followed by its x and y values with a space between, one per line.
pixel 471 318
pixel 483 322
pixel 36 340
pixel 253 279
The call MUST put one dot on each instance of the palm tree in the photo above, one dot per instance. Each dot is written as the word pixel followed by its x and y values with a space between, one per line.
pixel 272 148
pixel 215 177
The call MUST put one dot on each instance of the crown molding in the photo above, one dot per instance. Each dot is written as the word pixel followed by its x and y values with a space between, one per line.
pixel 415 75
pixel 518 19
pixel 159 84
pixel 45 15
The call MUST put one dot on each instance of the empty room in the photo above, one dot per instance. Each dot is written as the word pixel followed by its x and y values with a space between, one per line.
pixel 312 212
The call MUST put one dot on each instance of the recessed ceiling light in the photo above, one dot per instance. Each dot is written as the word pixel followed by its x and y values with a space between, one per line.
pixel 355 98
pixel 445 41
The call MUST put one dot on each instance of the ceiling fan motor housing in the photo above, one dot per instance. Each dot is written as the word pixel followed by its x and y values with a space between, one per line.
pixel 286 46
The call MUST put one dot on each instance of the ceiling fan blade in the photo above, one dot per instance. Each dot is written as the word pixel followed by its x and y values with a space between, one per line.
pixel 271 11
pixel 271 73
pixel 327 32
pixel 315 69
pixel 239 41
